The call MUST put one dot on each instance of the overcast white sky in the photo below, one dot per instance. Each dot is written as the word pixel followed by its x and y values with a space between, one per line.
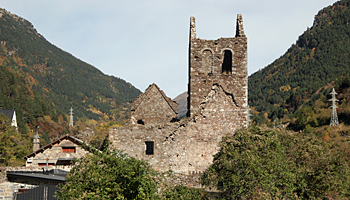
pixel 146 42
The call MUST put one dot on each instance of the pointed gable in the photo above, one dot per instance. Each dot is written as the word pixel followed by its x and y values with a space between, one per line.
pixel 153 106
pixel 59 153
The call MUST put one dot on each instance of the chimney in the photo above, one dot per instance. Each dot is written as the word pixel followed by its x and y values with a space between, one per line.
pixel 36 141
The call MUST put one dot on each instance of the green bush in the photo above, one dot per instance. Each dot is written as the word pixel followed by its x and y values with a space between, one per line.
pixel 110 175
pixel 273 164
pixel 183 192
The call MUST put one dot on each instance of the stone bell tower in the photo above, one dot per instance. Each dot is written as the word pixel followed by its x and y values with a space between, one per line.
pixel 218 79
pixel 36 140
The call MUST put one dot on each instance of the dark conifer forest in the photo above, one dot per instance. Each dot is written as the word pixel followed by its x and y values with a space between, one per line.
pixel 318 61
pixel 59 77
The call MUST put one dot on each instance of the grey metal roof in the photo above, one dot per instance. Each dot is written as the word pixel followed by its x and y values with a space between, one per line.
pixel 8 113
pixel 35 176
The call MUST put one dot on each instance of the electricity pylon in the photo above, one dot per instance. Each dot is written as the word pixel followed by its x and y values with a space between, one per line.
pixel 71 117
pixel 334 117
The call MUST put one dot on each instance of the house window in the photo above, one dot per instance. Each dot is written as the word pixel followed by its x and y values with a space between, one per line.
pixel 64 162
pixel 68 149
pixel 149 148
pixel 44 164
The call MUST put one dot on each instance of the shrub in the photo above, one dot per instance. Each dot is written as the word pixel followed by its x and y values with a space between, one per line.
pixel 270 163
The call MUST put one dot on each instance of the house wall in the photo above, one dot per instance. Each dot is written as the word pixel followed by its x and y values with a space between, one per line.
pixel 8 188
pixel 54 152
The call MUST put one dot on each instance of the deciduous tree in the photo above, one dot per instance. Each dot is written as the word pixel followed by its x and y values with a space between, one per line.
pixel 110 175
pixel 274 164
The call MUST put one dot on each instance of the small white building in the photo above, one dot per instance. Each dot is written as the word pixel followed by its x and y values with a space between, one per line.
pixel 12 115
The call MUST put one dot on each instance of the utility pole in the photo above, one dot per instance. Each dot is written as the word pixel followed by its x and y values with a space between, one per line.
pixel 249 115
pixel 71 117
pixel 334 117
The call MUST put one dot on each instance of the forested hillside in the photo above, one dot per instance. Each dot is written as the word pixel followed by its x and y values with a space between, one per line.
pixel 28 104
pixel 307 71
pixel 59 77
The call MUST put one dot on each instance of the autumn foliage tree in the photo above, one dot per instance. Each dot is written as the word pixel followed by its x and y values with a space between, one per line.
pixel 13 145
pixel 262 163
pixel 110 175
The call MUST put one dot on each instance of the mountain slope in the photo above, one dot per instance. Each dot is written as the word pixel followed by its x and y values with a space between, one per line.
pixel 28 104
pixel 320 56
pixel 61 78
pixel 181 99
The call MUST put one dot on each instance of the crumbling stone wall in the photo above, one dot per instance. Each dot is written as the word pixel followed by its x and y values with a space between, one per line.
pixel 218 78
pixel 153 106
pixel 176 146
pixel 217 105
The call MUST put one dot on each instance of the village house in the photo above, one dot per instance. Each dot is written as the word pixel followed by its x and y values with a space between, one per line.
pixel 58 153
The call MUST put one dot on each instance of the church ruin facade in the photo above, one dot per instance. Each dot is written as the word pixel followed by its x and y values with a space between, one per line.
pixel 217 105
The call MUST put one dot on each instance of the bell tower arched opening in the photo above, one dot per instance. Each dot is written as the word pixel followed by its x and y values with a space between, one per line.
pixel 227 63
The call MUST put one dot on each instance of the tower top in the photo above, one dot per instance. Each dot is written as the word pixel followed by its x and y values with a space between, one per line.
pixel 333 92
pixel 239 26
pixel 37 135
pixel 193 28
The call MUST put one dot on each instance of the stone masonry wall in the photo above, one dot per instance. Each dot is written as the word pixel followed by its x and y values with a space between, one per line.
pixel 218 77
pixel 154 107
pixel 217 105
pixel 54 152
pixel 8 188
pixel 174 148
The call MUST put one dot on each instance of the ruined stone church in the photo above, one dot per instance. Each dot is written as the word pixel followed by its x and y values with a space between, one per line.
pixel 217 104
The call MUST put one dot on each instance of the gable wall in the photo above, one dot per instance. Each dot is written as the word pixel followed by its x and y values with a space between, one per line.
pixel 152 107
pixel 54 153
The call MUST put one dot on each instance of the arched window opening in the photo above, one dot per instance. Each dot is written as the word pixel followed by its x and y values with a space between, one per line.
pixel 227 64
pixel 207 62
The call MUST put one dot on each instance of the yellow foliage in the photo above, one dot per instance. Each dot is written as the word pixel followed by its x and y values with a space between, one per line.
pixel 94 110
pixel 47 118
pixel 285 88
pixel 266 115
